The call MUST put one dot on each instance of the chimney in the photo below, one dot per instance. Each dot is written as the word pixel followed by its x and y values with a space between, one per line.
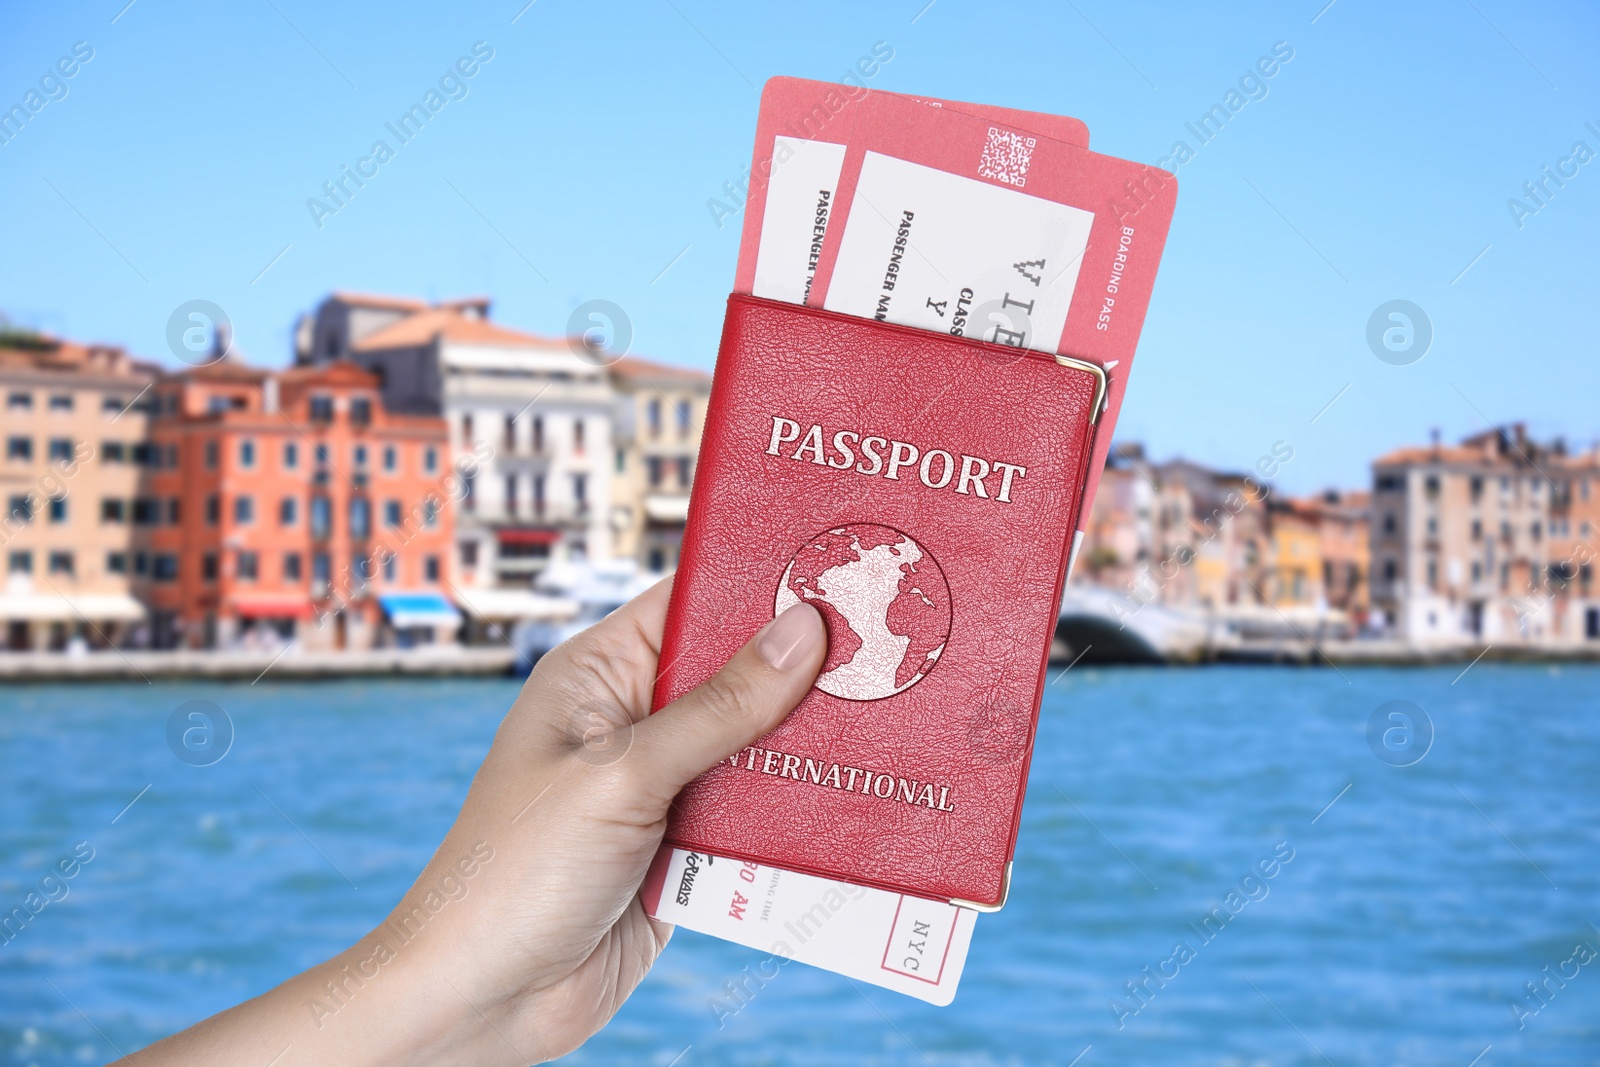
pixel 269 392
pixel 304 331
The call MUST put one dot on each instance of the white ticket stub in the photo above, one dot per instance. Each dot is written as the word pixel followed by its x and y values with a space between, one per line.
pixel 908 944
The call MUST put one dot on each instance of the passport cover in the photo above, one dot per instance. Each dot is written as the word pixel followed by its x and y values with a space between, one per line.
pixel 921 491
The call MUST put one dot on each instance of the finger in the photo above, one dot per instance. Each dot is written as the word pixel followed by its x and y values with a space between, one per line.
pixel 745 700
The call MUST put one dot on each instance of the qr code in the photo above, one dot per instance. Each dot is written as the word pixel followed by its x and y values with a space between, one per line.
pixel 1006 156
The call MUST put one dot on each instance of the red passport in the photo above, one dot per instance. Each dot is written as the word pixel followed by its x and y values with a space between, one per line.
pixel 921 490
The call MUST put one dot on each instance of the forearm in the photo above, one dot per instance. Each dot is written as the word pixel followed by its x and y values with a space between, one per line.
pixel 375 1003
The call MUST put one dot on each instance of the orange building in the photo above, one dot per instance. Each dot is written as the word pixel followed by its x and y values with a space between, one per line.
pixel 292 506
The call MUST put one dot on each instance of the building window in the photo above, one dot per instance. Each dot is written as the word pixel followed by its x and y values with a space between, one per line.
pixel 291 455
pixel 116 563
pixel 466 429
pixel 653 467
pixel 320 567
pixel 360 517
pixel 247 453
pixel 430 512
pixel 577 436
pixel 19 401
pixel 213 510
pixel 244 509
pixel 246 567
pixel 19 448
pixel 211 455
pixel 430 568
pixel 321 517
pixel 538 433
pixel 621 461
pixel 58 509
pixel 1388 522
pixel 469 553
pixel 322 409
pixel 652 416
pixel 511 495
pixel 111 403
pixel 1431 485
pixel 288 511
pixel 1433 574
pixel 208 567
pixel 1534 529
pixel 1477 530
pixel 683 472
pixel 538 494
pixel 61 448
pixel 389 568
pixel 359 455
pixel 113 510
pixel 430 459
pixel 1477 572
pixel 20 562
pixel 172 511
pixel 580 492
pixel 164 567
pixel 61 402
pixel 1389 570
pixel 469 491
pixel 511 433
pixel 361 411
pixel 685 418
pixel 388 458
pixel 321 455
pixel 391 514
pixel 20 507
pixel 291 566
pixel 61 563
pixel 658 561
pixel 112 452
pixel 144 455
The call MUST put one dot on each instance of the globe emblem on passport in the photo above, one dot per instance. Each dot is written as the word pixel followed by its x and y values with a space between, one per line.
pixel 886 604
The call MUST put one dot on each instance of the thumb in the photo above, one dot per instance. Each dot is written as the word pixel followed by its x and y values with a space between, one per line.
pixel 746 699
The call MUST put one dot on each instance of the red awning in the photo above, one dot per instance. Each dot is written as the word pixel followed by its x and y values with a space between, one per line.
pixel 272 607
pixel 529 537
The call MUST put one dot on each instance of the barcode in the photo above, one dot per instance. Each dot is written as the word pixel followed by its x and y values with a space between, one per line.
pixel 1006 156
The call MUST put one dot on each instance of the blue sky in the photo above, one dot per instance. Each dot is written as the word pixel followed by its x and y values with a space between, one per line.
pixel 579 164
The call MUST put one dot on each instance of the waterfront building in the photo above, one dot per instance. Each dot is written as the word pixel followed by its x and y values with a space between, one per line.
pixel 532 414
pixel 1344 533
pixel 660 415
pixel 292 505
pixel 1294 566
pixel 1486 541
pixel 74 437
pixel 1177 533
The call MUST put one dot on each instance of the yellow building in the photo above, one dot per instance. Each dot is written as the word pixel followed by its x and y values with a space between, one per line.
pixel 75 443
pixel 660 413
pixel 1294 563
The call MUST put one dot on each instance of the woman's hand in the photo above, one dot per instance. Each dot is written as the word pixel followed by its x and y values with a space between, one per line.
pixel 525 934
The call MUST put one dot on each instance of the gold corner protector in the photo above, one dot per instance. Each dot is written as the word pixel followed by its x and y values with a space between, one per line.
pixel 1005 891
pixel 1100 383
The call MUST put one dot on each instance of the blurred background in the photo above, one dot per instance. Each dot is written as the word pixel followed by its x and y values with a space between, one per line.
pixel 351 357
